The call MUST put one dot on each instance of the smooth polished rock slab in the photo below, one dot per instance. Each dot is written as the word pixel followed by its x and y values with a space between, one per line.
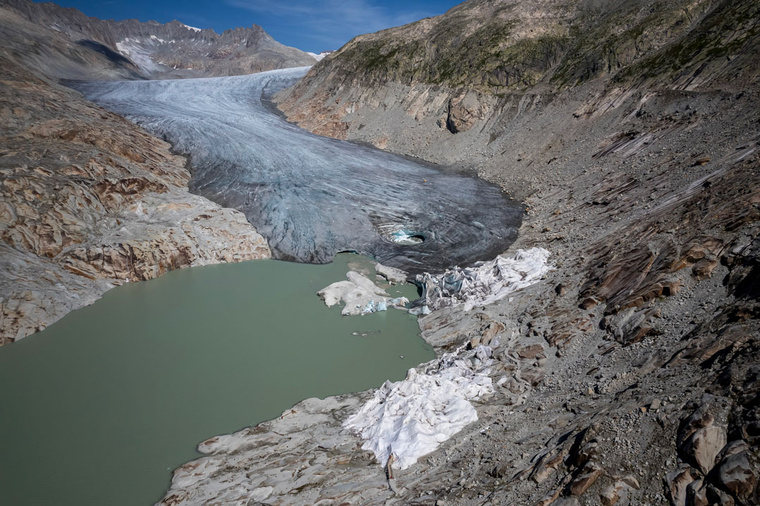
pixel 311 196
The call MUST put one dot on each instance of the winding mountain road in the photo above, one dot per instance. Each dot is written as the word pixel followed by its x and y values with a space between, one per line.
pixel 311 196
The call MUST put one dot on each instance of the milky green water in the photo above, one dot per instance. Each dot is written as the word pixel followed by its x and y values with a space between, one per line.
pixel 100 407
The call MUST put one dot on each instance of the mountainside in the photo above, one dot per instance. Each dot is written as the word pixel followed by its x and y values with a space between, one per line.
pixel 150 49
pixel 474 62
pixel 629 129
pixel 88 200
pixel 630 374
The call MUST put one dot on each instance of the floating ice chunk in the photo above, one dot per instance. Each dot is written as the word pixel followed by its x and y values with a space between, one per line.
pixel 478 286
pixel 359 293
pixel 391 274
pixel 374 306
pixel 399 302
pixel 410 418
pixel 333 294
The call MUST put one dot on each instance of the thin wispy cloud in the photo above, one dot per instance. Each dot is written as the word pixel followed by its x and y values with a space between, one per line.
pixel 330 23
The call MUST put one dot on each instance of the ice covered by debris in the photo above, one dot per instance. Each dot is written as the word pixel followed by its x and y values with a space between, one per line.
pixel 391 274
pixel 478 286
pixel 410 418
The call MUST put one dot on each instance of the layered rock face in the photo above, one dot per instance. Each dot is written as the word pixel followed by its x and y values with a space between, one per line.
pixel 131 48
pixel 88 201
pixel 461 85
pixel 628 376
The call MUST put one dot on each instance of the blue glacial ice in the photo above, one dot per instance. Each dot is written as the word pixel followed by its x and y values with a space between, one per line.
pixel 310 196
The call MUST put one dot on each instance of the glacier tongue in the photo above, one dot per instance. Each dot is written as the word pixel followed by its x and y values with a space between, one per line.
pixel 310 196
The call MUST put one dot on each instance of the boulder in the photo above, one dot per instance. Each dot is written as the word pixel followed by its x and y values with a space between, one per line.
pixel 590 474
pixel 737 475
pixel 676 483
pixel 703 447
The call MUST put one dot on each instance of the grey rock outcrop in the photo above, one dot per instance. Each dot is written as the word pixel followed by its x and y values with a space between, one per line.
pixel 88 201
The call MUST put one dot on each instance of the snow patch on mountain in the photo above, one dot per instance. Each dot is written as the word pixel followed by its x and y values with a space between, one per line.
pixel 140 55
pixel 319 56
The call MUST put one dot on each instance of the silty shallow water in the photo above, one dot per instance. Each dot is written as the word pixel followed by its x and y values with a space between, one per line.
pixel 99 408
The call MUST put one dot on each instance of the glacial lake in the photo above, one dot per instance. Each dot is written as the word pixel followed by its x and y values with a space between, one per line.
pixel 99 408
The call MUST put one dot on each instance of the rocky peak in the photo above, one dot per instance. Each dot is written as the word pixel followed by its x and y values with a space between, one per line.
pixel 166 50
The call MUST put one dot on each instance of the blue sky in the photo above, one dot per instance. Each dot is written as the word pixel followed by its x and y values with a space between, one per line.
pixel 314 25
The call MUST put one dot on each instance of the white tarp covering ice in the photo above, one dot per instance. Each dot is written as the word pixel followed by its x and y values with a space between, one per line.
pixel 491 281
pixel 360 295
pixel 410 418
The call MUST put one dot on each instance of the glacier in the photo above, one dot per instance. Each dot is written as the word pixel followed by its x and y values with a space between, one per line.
pixel 310 196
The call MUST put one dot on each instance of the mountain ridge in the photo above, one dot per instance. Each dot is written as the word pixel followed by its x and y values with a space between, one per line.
pixel 483 53
pixel 170 50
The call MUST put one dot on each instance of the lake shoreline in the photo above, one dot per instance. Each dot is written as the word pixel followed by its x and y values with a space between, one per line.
pixel 117 208
pixel 152 368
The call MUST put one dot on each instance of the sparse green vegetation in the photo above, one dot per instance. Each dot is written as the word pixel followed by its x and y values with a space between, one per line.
pixel 488 58
pixel 622 39
pixel 724 32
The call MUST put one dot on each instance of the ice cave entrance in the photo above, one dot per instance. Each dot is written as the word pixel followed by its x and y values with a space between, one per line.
pixel 409 237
